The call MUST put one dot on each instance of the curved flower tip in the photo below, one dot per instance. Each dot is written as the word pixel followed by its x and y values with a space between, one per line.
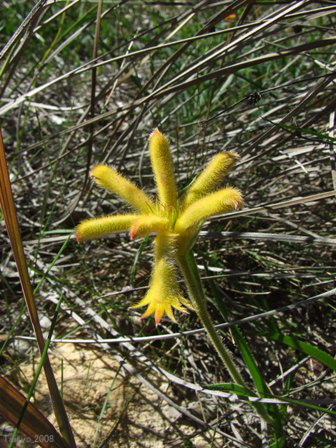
pixel 161 305
pixel 133 233
pixel 159 137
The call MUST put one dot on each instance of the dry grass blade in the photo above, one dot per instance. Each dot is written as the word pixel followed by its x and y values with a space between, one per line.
pixel 13 229
pixel 167 89
pixel 93 91
pixel 33 424
pixel 25 24
pixel 236 42
pixel 278 205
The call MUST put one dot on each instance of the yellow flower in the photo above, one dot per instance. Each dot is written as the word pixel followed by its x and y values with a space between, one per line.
pixel 175 222
pixel 164 293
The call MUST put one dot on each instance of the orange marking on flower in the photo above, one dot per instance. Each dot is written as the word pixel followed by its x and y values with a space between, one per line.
pixel 133 232
pixel 231 17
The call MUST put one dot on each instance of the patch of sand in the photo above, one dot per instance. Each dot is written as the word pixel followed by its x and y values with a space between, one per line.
pixel 102 401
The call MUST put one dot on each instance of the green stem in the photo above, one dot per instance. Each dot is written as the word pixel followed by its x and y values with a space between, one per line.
pixel 193 281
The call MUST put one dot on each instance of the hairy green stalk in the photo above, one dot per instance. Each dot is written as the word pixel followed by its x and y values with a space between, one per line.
pixel 192 278
pixel 196 293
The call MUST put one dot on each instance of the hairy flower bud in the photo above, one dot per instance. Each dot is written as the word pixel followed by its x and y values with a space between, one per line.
pixel 213 174
pixel 163 169
pixel 222 201
pixel 109 178
pixel 99 227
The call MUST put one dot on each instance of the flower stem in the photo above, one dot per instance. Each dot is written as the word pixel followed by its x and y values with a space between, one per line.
pixel 192 278
pixel 193 281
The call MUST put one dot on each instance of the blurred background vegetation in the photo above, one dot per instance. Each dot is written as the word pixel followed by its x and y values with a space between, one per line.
pixel 85 82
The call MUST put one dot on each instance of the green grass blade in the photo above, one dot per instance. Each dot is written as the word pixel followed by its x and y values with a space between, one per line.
pixel 246 393
pixel 306 404
pixel 231 387
pixel 36 376
pixel 305 348
pixel 246 352
pixel 251 363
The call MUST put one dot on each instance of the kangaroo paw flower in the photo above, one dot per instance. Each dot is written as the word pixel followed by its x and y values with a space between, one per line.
pixel 175 225
pixel 146 225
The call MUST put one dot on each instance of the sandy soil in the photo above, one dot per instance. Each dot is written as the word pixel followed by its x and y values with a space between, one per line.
pixel 103 402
